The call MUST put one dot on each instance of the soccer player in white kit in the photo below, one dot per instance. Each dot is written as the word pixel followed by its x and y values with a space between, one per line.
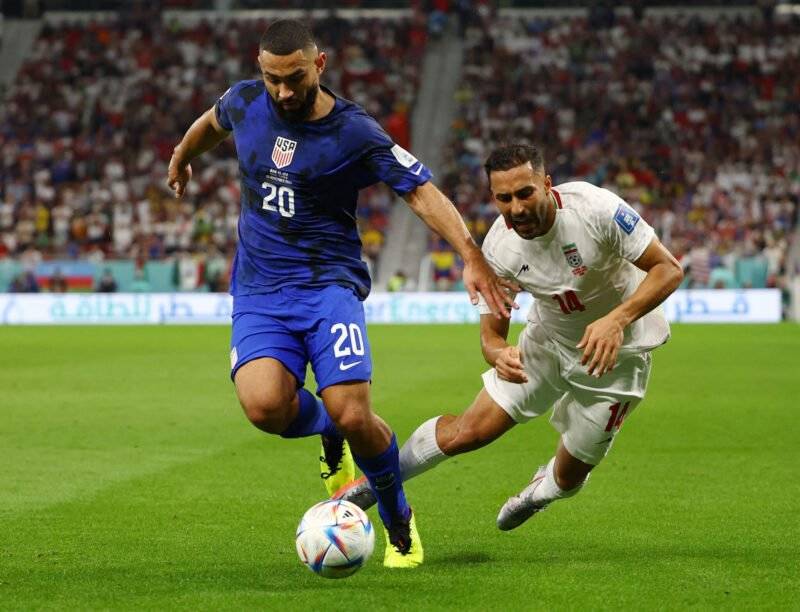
pixel 597 273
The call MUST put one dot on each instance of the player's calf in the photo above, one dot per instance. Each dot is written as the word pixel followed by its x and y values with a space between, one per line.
pixel 456 435
pixel 355 425
pixel 570 475
pixel 419 454
pixel 542 490
pixel 374 448
pixel 349 408
pixel 430 444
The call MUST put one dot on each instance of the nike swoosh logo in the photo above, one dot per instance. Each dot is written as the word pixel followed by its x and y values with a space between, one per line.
pixel 418 170
pixel 346 366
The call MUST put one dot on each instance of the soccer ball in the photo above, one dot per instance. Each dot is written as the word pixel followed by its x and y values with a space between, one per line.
pixel 334 538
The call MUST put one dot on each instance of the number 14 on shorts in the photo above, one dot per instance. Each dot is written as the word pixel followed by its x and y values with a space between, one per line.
pixel 618 413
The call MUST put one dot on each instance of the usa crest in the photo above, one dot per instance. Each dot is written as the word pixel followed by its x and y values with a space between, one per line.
pixel 283 152
pixel 574 259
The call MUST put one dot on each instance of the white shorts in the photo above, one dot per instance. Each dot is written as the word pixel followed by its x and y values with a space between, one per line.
pixel 588 411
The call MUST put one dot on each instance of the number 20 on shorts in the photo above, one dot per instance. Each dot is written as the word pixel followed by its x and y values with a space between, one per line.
pixel 351 333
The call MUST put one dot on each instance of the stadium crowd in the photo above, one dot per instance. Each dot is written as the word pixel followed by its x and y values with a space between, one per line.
pixel 88 128
pixel 694 122
pixel 697 129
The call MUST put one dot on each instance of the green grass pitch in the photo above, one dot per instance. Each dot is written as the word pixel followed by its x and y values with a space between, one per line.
pixel 130 480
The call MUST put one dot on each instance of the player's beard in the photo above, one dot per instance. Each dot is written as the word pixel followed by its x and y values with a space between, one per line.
pixel 528 232
pixel 532 224
pixel 302 111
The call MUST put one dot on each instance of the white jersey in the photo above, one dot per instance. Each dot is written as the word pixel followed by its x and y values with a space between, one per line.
pixel 581 269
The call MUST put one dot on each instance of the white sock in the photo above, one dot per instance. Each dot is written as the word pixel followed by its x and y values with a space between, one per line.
pixel 549 491
pixel 420 453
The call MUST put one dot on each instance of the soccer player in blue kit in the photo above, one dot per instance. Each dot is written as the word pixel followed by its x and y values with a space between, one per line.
pixel 298 280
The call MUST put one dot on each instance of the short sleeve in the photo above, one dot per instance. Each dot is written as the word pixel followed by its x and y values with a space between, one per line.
pixel 626 233
pixel 388 161
pixel 222 110
pixel 491 244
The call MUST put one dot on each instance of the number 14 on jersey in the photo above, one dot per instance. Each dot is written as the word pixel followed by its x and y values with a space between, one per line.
pixel 569 302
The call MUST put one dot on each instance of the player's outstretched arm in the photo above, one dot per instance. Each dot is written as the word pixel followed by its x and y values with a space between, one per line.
pixel 439 214
pixel 602 339
pixel 505 358
pixel 204 134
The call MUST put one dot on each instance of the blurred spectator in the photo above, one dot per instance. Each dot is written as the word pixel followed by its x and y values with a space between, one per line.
pixel 397 282
pixel 187 271
pixel 24 283
pixel 140 283
pixel 58 282
pixel 445 267
pixel 397 125
pixel 373 219
pixel 30 258
pixel 698 265
pixel 106 283
pixel 216 272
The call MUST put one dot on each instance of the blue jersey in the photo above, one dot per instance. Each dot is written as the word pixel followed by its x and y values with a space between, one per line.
pixel 300 184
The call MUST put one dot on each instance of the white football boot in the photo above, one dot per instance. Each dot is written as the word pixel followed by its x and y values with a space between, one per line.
pixel 520 508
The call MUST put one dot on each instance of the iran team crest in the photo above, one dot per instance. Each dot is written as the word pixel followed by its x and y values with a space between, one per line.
pixel 574 259
pixel 283 152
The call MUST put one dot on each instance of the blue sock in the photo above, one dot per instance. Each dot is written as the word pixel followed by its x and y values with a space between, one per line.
pixel 383 473
pixel 311 419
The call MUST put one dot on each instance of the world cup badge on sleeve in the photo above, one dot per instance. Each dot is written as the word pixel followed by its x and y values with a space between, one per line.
pixel 574 259
pixel 283 152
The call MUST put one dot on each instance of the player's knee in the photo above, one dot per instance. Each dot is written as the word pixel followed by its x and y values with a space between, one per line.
pixel 266 411
pixel 352 423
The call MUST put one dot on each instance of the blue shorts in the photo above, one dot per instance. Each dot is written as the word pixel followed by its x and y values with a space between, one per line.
pixel 296 326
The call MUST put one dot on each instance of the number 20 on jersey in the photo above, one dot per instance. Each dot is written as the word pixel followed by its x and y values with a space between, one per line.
pixel 278 199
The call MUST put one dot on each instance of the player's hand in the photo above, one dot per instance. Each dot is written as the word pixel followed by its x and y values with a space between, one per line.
pixel 178 176
pixel 600 344
pixel 509 365
pixel 498 292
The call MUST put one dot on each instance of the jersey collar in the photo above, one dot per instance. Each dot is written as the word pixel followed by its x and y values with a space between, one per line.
pixel 337 106
pixel 547 238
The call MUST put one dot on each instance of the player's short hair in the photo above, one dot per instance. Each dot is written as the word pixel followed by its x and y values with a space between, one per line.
pixel 285 36
pixel 510 156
